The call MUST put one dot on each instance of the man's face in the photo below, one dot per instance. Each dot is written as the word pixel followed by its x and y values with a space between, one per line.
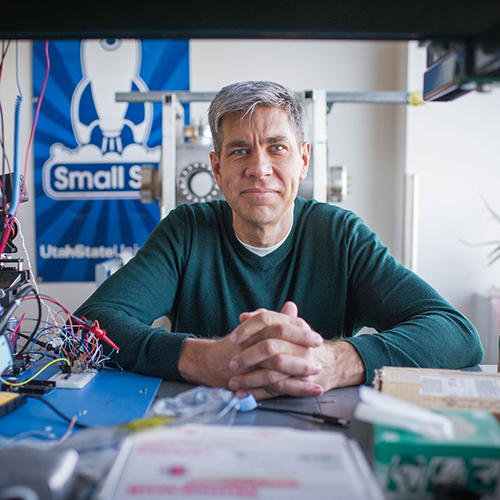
pixel 259 168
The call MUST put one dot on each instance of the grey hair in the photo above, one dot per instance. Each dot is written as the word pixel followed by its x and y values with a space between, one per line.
pixel 245 97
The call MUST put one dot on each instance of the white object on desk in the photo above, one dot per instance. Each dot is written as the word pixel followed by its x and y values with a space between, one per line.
pixel 5 354
pixel 378 408
pixel 210 461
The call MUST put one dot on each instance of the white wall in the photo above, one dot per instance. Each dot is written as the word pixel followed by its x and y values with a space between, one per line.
pixel 455 148
pixel 368 139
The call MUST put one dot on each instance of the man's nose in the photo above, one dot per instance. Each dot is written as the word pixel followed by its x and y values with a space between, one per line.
pixel 259 165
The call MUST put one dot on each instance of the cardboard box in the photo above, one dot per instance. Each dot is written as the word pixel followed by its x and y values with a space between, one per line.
pixel 410 466
pixel 437 389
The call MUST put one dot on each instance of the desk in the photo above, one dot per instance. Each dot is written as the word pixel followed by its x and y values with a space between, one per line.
pixel 111 397
pixel 337 402
pixel 116 397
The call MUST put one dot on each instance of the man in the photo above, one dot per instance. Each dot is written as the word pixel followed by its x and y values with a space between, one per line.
pixel 266 291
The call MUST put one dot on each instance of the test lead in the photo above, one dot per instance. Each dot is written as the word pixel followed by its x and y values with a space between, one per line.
pixel 327 419
pixel 100 333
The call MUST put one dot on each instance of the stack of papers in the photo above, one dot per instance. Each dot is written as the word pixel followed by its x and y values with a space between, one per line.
pixel 209 461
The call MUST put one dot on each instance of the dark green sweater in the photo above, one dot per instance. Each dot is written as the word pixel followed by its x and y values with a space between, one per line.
pixel 194 270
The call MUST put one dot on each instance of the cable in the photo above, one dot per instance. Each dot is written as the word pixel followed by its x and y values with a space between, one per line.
pixel 7 313
pixel 327 419
pixel 33 333
pixel 4 154
pixel 52 407
pixel 67 434
pixel 24 382
pixel 8 224
pixel 16 179
pixel 17 70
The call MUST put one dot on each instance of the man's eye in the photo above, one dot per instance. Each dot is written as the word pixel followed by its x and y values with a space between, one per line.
pixel 239 152
pixel 278 147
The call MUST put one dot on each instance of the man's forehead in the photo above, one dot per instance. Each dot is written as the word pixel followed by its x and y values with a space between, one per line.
pixel 264 118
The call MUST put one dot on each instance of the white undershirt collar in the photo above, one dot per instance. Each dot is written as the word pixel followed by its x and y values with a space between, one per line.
pixel 263 251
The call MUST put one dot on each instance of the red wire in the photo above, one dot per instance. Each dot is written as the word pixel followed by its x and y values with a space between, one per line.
pixel 23 188
pixel 15 332
pixel 67 311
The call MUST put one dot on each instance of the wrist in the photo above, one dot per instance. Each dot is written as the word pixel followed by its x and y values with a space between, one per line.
pixel 345 367
pixel 192 360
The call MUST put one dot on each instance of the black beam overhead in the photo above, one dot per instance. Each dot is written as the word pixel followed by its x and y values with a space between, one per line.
pixel 265 19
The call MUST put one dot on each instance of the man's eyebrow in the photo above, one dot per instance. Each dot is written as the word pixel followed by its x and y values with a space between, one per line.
pixel 276 138
pixel 236 144
pixel 243 144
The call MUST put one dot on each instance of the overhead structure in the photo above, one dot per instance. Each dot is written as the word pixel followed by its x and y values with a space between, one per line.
pixel 439 20
pixel 462 36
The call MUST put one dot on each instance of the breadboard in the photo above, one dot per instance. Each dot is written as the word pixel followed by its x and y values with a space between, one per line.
pixel 73 380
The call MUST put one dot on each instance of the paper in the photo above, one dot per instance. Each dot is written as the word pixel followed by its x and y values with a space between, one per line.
pixel 461 387
pixel 383 409
pixel 206 462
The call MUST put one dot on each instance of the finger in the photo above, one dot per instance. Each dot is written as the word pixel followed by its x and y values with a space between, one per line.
pixel 260 377
pixel 267 375
pixel 300 335
pixel 296 388
pixel 287 387
pixel 265 319
pixel 290 309
pixel 277 355
pixel 246 315
pixel 258 394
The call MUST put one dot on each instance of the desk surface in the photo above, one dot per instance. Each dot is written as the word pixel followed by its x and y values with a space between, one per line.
pixel 116 397
pixel 111 397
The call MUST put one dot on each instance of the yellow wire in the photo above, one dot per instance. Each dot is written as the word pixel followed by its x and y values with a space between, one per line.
pixel 36 374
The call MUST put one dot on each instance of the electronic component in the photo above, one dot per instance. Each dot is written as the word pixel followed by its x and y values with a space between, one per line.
pixel 37 387
pixel 7 182
pixel 10 401
pixel 455 68
pixel 100 333
pixel 5 354
pixel 19 367
pixel 12 276
pixel 73 380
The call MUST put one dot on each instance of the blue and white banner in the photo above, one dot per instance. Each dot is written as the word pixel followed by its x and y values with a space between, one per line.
pixel 89 149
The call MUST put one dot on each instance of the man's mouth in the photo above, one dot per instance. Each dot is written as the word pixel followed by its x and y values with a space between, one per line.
pixel 259 191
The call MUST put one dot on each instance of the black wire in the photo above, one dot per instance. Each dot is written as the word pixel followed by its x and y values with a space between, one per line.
pixel 39 342
pixel 327 419
pixel 35 330
pixel 52 407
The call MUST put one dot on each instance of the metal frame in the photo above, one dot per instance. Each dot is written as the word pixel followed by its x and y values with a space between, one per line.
pixel 318 101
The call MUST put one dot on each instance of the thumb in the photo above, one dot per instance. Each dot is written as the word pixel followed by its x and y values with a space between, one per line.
pixel 290 309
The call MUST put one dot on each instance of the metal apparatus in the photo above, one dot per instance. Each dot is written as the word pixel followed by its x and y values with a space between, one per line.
pixel 185 174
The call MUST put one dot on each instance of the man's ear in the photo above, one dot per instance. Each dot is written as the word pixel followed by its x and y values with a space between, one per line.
pixel 306 157
pixel 214 160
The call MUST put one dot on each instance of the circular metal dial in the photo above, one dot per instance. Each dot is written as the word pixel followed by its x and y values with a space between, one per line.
pixel 197 182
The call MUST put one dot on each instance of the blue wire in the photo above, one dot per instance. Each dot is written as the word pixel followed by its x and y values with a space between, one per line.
pixel 16 182
pixel 17 69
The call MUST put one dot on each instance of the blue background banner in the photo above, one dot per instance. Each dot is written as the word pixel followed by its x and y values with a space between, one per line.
pixel 89 149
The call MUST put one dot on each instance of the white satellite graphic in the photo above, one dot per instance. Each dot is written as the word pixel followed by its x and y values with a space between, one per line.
pixel 110 66
pixel 107 170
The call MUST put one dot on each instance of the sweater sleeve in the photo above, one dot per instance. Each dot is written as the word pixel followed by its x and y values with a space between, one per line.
pixel 416 326
pixel 128 302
